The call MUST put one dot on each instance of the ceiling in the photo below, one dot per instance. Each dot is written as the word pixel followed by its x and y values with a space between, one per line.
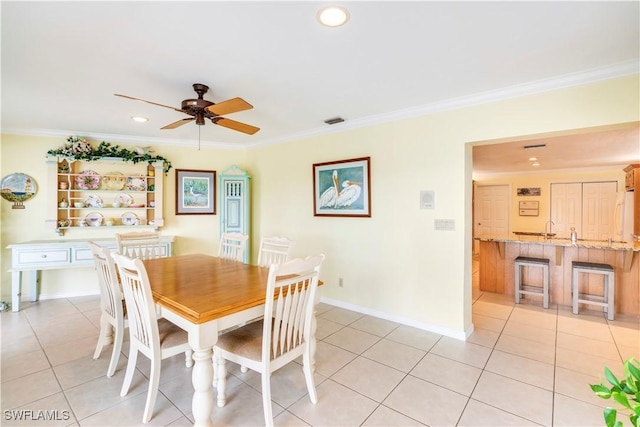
pixel 609 148
pixel 62 63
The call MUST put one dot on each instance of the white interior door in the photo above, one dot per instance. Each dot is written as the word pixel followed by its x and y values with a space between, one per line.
pixel 491 211
pixel 598 207
pixel 566 208
pixel 589 207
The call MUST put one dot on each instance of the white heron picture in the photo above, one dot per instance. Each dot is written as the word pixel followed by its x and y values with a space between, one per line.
pixel 195 192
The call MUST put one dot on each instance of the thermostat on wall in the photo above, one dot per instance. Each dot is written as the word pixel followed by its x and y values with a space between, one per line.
pixel 427 200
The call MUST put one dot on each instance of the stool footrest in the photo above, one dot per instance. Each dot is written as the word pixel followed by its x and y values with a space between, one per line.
pixel 531 289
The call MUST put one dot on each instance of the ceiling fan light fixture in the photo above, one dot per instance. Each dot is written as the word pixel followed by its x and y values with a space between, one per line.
pixel 139 119
pixel 333 16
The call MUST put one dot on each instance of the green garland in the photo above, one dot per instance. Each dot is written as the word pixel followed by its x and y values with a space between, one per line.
pixel 80 149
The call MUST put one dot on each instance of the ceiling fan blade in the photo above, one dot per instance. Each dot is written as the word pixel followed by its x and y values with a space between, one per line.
pixel 148 102
pixel 232 124
pixel 229 106
pixel 178 123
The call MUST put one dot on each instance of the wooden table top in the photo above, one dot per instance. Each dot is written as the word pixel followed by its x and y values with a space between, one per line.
pixel 201 288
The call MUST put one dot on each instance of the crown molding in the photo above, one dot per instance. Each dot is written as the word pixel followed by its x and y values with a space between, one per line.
pixel 139 140
pixel 619 70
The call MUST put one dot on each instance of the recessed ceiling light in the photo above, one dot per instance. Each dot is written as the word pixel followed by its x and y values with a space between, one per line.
pixel 333 16
pixel 139 119
pixel 535 164
pixel 533 159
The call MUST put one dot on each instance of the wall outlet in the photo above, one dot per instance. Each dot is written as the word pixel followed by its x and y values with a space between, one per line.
pixel 340 282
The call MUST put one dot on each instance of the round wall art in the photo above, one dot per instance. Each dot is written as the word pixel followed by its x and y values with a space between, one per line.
pixel 17 188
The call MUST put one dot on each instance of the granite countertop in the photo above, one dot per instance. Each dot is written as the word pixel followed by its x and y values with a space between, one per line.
pixel 540 240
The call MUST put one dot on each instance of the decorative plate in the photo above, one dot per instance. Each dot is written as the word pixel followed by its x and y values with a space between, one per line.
pixel 114 181
pixel 135 183
pixel 88 180
pixel 124 199
pixel 93 201
pixel 94 218
pixel 18 187
pixel 128 218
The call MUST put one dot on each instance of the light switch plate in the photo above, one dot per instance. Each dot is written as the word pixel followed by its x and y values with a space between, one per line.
pixel 445 224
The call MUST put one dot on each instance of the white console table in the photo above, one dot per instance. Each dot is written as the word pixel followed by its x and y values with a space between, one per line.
pixel 38 255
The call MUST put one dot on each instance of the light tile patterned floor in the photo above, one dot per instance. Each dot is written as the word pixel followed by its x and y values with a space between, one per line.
pixel 522 366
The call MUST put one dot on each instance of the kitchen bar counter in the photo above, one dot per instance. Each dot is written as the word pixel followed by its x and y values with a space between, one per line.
pixel 497 255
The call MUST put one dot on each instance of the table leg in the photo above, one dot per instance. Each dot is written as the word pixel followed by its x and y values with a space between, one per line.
pixel 221 383
pixel 34 284
pixel 16 290
pixel 202 378
pixel 202 338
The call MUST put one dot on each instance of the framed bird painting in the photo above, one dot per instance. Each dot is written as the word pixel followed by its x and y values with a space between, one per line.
pixel 195 192
pixel 342 188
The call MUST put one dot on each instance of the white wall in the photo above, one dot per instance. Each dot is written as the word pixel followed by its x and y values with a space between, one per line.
pixel 27 154
pixel 394 264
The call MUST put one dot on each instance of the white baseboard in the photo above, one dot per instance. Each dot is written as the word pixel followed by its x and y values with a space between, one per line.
pixel 459 335
pixel 45 296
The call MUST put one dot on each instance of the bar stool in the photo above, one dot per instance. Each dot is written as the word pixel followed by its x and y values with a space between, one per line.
pixel 606 300
pixel 521 288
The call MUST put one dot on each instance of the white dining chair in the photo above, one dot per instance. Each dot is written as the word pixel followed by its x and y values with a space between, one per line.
pixel 232 246
pixel 158 339
pixel 265 347
pixel 113 319
pixel 274 250
pixel 143 245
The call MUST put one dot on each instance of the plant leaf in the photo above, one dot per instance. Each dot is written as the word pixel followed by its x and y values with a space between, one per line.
pixel 621 398
pixel 601 391
pixel 610 377
pixel 633 370
pixel 610 415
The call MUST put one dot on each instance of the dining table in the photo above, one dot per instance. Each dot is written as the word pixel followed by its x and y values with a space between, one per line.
pixel 204 295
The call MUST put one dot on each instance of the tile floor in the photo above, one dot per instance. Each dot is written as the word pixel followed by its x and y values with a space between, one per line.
pixel 522 366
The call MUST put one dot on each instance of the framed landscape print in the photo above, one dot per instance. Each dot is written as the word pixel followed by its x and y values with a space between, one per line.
pixel 195 192
pixel 342 188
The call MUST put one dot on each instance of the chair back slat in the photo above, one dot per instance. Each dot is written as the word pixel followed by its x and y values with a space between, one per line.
pixel 143 245
pixel 110 292
pixel 232 246
pixel 143 323
pixel 291 290
pixel 274 250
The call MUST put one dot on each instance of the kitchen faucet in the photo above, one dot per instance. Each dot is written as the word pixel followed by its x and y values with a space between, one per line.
pixel 550 223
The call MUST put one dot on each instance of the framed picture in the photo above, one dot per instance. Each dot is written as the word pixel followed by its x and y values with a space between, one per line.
pixel 342 188
pixel 532 191
pixel 195 192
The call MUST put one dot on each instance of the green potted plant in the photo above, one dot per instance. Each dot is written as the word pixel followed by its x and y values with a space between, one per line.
pixel 79 148
pixel 625 391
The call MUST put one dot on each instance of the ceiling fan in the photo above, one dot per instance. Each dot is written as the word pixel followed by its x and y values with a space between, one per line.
pixel 202 109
